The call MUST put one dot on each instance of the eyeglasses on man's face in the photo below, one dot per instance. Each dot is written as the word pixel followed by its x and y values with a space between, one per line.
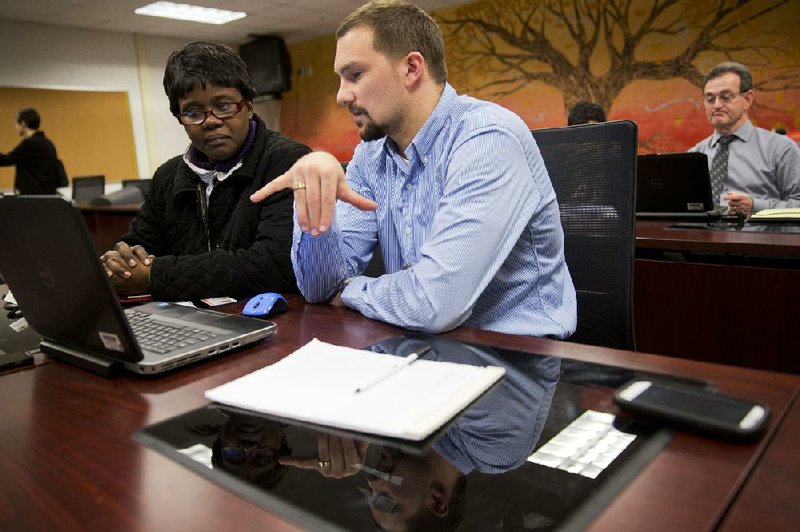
pixel 221 111
pixel 724 97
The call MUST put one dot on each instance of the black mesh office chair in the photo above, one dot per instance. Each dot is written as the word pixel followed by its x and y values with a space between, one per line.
pixel 86 188
pixel 593 170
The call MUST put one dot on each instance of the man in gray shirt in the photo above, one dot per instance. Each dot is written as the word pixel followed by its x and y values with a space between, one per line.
pixel 751 168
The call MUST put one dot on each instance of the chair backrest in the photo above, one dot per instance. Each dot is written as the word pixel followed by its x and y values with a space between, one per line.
pixel 141 184
pixel 593 171
pixel 86 188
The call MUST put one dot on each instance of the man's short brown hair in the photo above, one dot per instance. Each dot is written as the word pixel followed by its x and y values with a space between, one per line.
pixel 400 28
pixel 745 78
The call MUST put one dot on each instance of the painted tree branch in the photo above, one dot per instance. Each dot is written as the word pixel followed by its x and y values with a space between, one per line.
pixel 508 44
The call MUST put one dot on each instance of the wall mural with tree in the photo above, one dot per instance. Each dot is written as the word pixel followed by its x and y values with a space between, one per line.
pixel 642 60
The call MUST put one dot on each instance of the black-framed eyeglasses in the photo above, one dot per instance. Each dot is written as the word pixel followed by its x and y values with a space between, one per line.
pixel 221 111
pixel 724 97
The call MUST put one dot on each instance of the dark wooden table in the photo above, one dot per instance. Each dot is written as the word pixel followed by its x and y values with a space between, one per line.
pixel 660 236
pixel 67 460
pixel 718 296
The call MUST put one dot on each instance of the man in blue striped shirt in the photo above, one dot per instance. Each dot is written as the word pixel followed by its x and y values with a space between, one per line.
pixel 452 189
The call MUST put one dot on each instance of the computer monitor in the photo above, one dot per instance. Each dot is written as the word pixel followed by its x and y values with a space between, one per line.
pixel 86 188
pixel 141 184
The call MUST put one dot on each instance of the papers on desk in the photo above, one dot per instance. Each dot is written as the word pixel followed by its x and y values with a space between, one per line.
pixel 776 215
pixel 318 383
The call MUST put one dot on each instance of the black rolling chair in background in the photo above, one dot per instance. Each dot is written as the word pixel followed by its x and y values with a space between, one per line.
pixel 593 170
pixel 87 188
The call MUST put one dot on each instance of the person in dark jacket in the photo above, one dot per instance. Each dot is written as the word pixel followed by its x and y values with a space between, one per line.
pixel 38 168
pixel 586 113
pixel 197 235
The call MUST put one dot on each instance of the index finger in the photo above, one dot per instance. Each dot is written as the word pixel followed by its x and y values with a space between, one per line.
pixel 348 195
pixel 281 182
pixel 299 463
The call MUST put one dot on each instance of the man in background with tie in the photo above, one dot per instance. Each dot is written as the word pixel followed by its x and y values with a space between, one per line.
pixel 751 168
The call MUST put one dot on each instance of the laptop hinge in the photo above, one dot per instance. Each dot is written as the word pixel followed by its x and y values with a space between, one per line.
pixel 100 366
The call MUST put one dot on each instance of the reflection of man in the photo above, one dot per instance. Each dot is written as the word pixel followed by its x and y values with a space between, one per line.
pixel 38 169
pixel 205 236
pixel 465 214
pixel 250 447
pixel 428 494
pixel 496 434
pixel 337 457
pixel 751 168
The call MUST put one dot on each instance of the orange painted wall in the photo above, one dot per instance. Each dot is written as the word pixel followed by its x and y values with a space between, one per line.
pixel 669 113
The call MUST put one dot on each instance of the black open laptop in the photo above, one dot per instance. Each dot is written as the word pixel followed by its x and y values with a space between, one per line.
pixel 674 185
pixel 48 261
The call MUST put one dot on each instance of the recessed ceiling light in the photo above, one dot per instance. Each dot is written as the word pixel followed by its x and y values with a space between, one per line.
pixel 206 15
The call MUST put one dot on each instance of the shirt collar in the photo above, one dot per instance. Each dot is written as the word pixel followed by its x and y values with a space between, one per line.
pixel 425 139
pixel 743 132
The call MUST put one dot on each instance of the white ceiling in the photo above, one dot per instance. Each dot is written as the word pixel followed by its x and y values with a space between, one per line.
pixel 294 20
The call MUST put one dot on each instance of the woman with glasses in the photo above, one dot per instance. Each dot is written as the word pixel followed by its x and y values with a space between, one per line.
pixel 197 235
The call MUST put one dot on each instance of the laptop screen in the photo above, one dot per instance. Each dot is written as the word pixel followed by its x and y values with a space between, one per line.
pixel 673 183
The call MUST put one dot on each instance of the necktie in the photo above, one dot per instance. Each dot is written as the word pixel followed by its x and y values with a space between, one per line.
pixel 719 167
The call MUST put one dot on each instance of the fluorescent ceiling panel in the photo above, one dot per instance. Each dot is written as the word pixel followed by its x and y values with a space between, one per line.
pixel 206 15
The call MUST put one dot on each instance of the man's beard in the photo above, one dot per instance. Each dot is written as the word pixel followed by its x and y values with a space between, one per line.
pixel 372 131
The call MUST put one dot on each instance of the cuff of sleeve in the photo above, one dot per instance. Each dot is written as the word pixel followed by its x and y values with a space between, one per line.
pixel 354 289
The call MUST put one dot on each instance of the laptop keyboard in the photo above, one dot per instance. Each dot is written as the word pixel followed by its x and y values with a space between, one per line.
pixel 159 337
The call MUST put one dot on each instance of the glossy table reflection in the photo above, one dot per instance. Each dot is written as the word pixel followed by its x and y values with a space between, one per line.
pixel 472 475
pixel 67 458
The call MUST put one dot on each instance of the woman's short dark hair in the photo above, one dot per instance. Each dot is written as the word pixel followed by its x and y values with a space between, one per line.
pixel 30 117
pixel 204 62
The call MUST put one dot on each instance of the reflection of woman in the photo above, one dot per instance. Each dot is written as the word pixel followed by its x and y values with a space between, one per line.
pixel 250 448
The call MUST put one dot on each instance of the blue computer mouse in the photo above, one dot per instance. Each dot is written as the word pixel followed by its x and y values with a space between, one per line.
pixel 264 305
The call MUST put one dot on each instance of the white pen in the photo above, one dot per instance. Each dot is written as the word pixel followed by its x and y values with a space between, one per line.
pixel 403 363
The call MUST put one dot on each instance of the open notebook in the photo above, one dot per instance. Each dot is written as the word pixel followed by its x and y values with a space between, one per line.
pixel 776 215
pixel 318 383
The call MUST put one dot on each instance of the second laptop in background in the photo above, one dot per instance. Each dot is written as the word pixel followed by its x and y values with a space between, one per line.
pixel 674 185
